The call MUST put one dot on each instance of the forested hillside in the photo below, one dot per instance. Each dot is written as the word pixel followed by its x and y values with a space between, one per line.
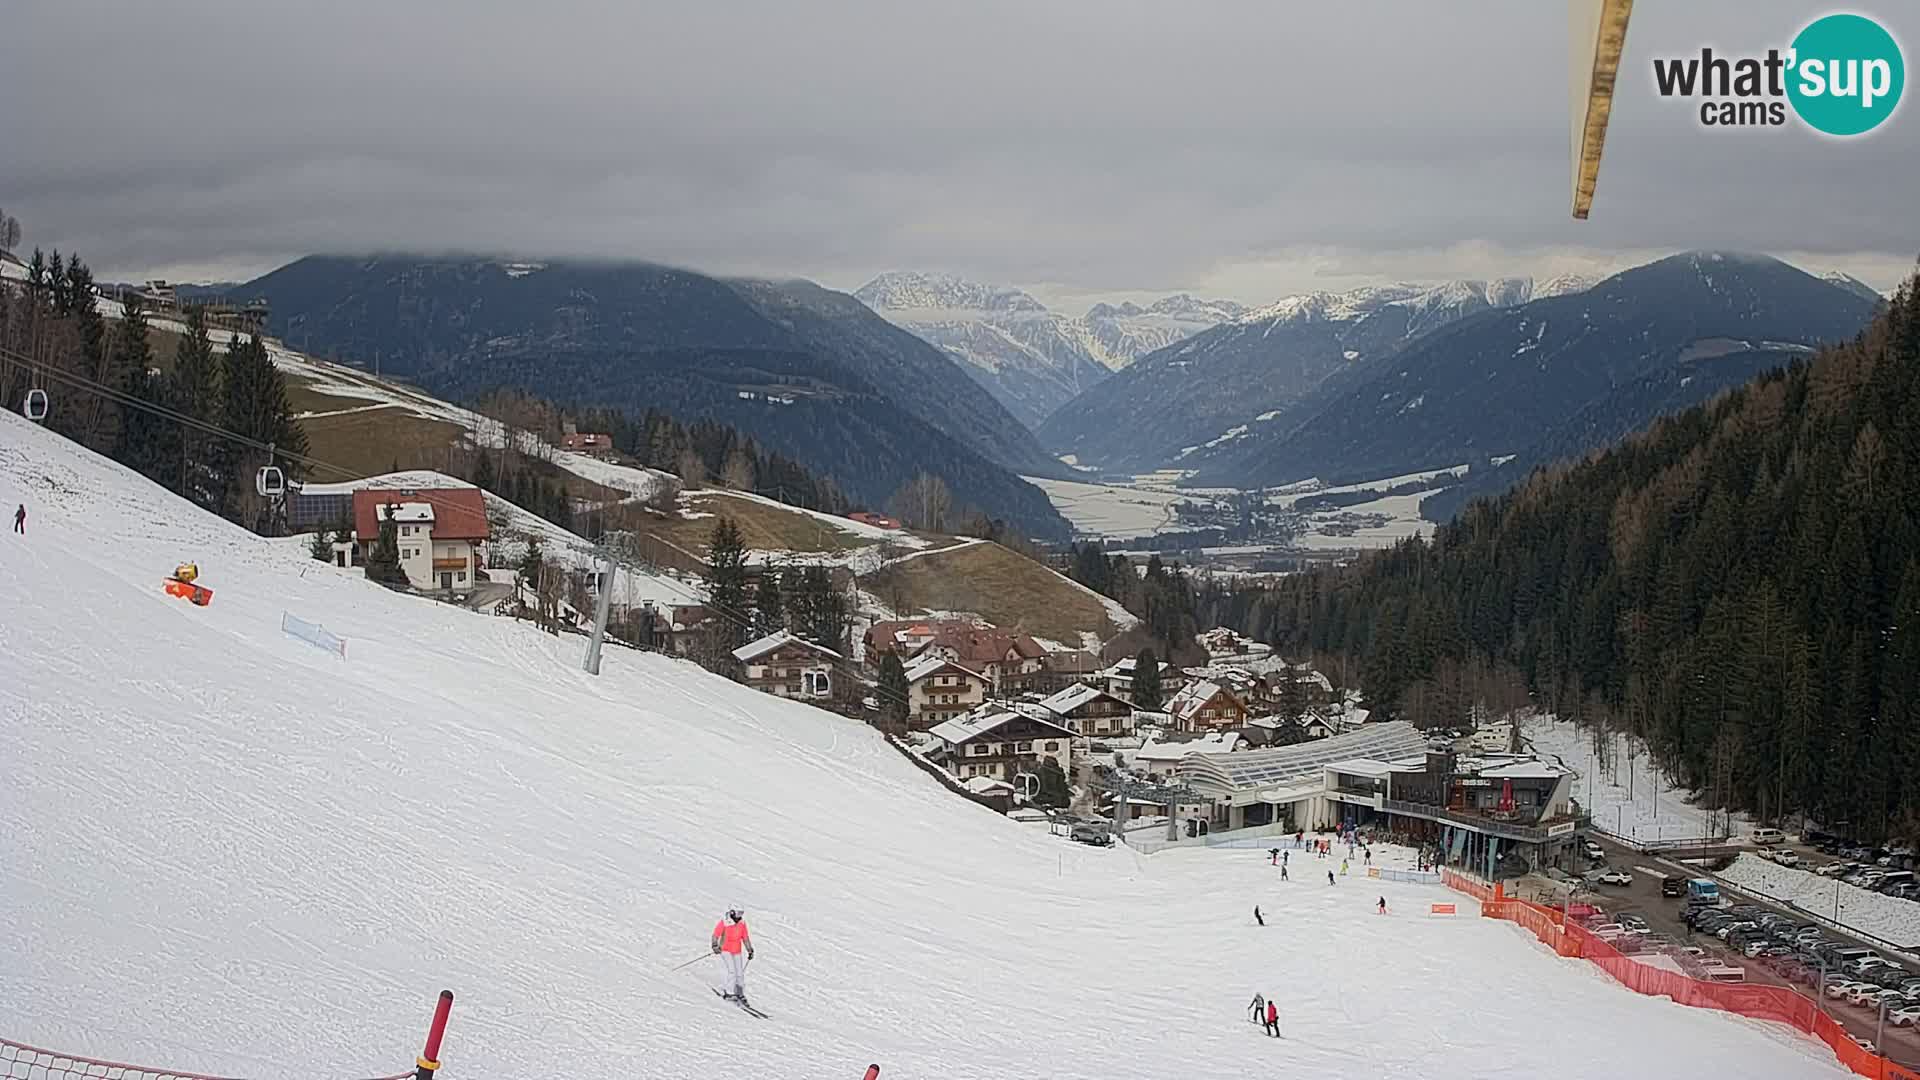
pixel 1740 584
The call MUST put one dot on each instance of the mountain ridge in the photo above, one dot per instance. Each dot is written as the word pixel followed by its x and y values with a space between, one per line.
pixel 1032 359
pixel 809 372
pixel 1506 381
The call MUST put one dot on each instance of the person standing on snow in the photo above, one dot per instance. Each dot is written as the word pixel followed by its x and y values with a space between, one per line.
pixel 1383 905
pixel 1274 854
pixel 730 937
pixel 20 519
pixel 1273 1019
pixel 1256 915
pixel 1258 1008
pixel 1283 871
pixel 1329 877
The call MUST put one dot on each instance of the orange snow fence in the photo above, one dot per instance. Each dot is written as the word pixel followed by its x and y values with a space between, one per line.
pixel 1775 1003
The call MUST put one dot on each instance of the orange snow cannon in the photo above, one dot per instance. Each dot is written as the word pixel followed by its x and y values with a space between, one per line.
pixel 182 585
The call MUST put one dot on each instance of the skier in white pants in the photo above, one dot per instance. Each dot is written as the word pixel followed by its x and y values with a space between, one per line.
pixel 730 937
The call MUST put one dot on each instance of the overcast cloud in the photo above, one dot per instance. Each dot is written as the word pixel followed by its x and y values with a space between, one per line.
pixel 1081 150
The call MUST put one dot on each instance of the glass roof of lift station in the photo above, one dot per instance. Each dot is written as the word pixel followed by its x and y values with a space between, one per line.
pixel 1289 765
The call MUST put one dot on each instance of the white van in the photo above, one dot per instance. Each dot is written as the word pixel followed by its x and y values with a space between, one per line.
pixel 1767 836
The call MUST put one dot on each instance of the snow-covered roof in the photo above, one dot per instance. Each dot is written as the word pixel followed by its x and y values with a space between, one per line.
pixel 927 665
pixel 1193 697
pixel 408 512
pixel 746 653
pixel 1297 763
pixel 1220 742
pixel 975 724
pixel 1073 697
pixel 985 785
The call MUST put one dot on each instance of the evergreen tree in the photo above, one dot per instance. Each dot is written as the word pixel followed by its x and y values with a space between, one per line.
pixel 383 562
pixel 255 407
pixel 321 547
pixel 1147 693
pixel 1054 791
pixel 483 470
pixel 827 609
pixel 726 580
pixel 893 691
pixel 769 607
pixel 197 394
pixel 1290 695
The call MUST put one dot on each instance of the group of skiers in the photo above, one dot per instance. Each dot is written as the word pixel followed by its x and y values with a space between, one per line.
pixel 1266 1013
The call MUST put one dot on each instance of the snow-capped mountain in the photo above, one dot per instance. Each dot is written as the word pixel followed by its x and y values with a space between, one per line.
pixel 1261 363
pixel 1030 358
pixel 1548 379
pixel 1853 285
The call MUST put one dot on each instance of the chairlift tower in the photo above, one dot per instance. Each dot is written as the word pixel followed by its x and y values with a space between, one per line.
pixel 1125 789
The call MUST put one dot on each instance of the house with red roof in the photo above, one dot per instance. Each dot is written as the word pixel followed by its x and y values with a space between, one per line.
pixel 442 532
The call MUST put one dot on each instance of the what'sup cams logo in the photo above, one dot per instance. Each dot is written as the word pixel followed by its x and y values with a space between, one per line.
pixel 1842 76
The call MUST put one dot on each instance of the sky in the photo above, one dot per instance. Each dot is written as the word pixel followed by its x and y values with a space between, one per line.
pixel 1081 150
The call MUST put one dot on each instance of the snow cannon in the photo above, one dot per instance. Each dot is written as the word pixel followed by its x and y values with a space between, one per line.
pixel 184 585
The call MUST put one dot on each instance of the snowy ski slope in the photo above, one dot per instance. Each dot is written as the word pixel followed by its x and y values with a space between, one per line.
pixel 219 840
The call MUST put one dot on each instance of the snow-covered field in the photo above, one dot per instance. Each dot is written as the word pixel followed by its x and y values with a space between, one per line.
pixel 1627 798
pixel 231 852
pixel 1146 507
pixel 1885 917
pixel 1111 510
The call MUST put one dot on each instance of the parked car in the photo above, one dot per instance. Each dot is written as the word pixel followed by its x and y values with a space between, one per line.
pixel 1593 852
pixel 1729 928
pixel 1786 857
pixel 1837 988
pixel 1089 833
pixel 1631 920
pixel 1864 1044
pixel 1904 1016
pixel 1864 994
pixel 1615 877
pixel 1672 886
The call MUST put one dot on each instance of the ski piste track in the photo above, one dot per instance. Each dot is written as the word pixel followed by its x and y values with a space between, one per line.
pixel 242 856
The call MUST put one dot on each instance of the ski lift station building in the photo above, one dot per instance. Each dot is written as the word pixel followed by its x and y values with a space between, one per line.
pixel 1484 811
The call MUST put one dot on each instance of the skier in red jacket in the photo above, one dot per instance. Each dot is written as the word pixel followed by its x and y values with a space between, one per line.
pixel 730 937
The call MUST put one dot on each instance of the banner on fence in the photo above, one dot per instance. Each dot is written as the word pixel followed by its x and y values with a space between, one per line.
pixel 313 634
pixel 1441 909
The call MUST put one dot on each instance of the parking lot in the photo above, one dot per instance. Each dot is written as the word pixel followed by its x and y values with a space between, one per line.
pixel 1663 916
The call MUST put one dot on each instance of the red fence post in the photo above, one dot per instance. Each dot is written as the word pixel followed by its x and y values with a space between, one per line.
pixel 430 1057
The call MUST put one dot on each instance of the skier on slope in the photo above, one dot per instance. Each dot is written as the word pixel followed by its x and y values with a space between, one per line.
pixel 1383 905
pixel 1272 1025
pixel 1256 915
pixel 1258 1007
pixel 729 938
pixel 20 519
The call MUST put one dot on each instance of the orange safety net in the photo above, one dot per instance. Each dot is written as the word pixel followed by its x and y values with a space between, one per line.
pixel 1776 1003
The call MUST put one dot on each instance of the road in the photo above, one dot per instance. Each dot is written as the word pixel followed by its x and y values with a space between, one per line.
pixel 1902 1045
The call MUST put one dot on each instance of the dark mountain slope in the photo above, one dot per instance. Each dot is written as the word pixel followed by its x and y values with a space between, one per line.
pixel 1502 381
pixel 847 395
